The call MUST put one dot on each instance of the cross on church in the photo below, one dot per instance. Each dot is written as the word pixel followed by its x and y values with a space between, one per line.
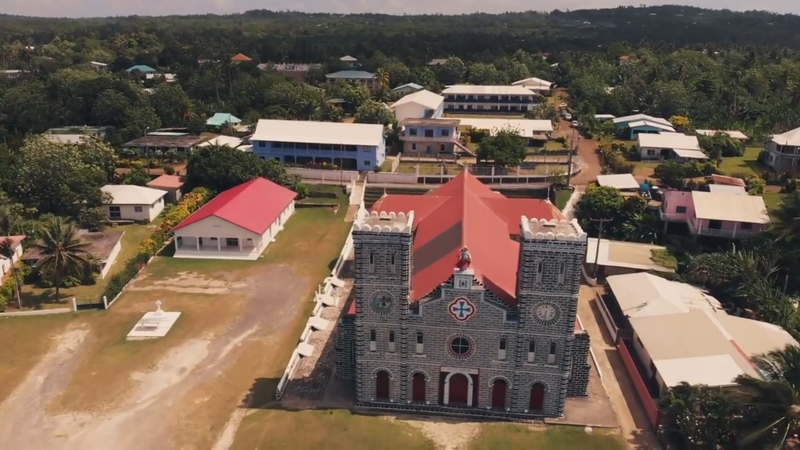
pixel 462 309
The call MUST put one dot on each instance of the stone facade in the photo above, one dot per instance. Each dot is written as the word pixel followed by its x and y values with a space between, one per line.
pixel 462 348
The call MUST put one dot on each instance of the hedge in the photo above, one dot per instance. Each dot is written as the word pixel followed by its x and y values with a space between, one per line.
pixel 190 203
pixel 8 291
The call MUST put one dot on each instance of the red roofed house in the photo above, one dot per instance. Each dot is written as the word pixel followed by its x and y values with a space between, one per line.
pixel 240 57
pixel 172 184
pixel 237 224
pixel 465 299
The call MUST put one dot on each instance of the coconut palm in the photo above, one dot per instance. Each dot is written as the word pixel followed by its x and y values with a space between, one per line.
pixel 774 400
pixel 63 253
pixel 382 76
pixel 787 225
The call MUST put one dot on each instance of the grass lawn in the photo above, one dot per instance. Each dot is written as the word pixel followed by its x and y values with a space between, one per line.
pixel 134 235
pixel 746 164
pixel 328 429
pixel 772 200
pixel 508 436
pixel 387 165
pixel 644 169
pixel 562 197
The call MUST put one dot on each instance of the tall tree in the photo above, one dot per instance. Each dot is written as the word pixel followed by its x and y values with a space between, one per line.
pixel 787 215
pixel 63 253
pixel 504 148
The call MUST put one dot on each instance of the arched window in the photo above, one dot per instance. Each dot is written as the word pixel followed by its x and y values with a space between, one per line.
pixel 420 347
pixel 391 341
pixel 373 338
pixel 562 272
pixel 539 270
pixel 531 350
pixel 551 358
pixel 501 351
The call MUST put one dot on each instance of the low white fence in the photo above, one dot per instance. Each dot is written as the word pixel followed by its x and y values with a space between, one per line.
pixel 392 178
pixel 396 162
pixel 324 297
pixel 341 176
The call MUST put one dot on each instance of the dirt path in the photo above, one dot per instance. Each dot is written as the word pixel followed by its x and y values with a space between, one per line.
pixel 587 150
pixel 632 418
pixel 445 434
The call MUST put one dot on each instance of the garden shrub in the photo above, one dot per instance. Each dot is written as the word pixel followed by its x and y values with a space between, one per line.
pixel 8 289
pixel 322 194
pixel 168 169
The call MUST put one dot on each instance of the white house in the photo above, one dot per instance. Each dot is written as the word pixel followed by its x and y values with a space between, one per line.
pixel 408 88
pixel 129 202
pixel 419 105
pixel 677 146
pixel 16 247
pixel 537 85
pixel 237 224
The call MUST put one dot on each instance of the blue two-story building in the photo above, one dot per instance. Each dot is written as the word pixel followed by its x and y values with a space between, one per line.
pixel 351 146
pixel 430 137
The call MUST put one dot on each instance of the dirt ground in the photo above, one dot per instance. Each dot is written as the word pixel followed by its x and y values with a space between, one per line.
pixel 165 388
pixel 587 150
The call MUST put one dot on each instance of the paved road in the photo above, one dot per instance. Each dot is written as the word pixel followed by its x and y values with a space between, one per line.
pixel 632 417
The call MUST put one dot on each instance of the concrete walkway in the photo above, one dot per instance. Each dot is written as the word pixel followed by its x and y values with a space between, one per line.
pixel 633 420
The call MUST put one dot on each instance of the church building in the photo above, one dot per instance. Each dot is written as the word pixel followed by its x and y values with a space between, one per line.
pixel 465 302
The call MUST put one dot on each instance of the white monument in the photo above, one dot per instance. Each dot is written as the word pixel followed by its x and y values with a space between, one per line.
pixel 153 324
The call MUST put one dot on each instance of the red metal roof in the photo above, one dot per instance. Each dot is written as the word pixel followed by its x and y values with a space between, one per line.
pixel 466 213
pixel 166 181
pixel 253 206
pixel 241 57
pixel 731 181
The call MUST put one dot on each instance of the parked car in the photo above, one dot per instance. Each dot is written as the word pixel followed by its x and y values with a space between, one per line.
pixel 575 124
pixel 567 116
pixel 563 105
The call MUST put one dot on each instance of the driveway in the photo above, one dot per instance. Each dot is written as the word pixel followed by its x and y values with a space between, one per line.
pixel 587 150
pixel 633 420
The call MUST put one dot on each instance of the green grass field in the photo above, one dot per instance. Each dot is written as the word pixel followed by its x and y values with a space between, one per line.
pixel 509 436
pixel 562 197
pixel 746 164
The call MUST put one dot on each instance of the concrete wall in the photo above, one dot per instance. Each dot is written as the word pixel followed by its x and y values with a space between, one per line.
pixel 323 175
pixel 144 213
pixel 5 265
pixel 366 157
pixel 674 199
pixel 112 258
pixel 391 178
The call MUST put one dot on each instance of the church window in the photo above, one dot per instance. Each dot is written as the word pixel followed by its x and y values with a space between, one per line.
pixel 392 266
pixel 562 272
pixel 539 269
pixel 373 344
pixel 551 358
pixel 371 267
pixel 501 352
pixel 420 348
pixel 391 341
pixel 531 351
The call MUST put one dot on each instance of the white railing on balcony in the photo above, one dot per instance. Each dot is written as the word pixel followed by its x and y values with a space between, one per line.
pixel 718 232
pixel 428 139
pixel 673 217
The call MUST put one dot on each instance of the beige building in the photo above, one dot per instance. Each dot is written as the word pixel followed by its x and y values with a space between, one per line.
pixel 137 203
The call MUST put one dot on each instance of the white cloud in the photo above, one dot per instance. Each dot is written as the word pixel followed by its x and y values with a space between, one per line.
pixel 94 8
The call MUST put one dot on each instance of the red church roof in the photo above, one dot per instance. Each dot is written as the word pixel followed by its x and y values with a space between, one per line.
pixel 253 206
pixel 466 213
pixel 240 57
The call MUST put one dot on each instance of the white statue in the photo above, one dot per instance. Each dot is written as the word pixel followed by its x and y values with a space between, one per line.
pixel 158 306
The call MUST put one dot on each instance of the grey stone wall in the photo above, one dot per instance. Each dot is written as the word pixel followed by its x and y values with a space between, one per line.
pixel 345 348
pixel 492 321
pixel 579 374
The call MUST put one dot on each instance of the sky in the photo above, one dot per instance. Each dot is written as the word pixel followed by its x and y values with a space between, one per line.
pixel 103 8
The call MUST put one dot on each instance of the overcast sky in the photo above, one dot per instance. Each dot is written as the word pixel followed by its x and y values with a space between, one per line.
pixel 95 8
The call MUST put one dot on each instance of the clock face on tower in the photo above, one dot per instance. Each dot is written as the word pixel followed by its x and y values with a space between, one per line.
pixel 382 302
pixel 546 313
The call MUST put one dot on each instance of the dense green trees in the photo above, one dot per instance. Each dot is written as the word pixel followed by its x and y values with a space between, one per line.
pixel 64 254
pixel 504 148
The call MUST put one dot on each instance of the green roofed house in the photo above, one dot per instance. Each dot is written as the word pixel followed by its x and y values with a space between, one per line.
pixel 141 68
pixel 222 119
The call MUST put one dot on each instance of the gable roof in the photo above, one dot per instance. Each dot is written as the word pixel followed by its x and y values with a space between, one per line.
pixel 650 123
pixel 241 57
pixel 533 82
pixel 141 68
pixel 791 137
pixel 730 181
pixel 348 58
pixel 424 98
pixel 129 194
pixel 466 213
pixel 311 132
pixel 410 85
pixel 219 119
pixel 729 207
pixel 675 141
pixel 732 133
pixel 230 141
pixel 166 181
pixel 351 75
pixel 253 205
pixel 637 117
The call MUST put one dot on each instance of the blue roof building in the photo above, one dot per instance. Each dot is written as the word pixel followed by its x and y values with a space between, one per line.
pixel 408 88
pixel 357 76
pixel 221 119
pixel 141 68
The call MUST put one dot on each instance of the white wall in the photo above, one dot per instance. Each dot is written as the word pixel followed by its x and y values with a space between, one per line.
pixel 391 178
pixel 5 265
pixel 321 174
pixel 409 111
pixel 148 212
pixel 112 258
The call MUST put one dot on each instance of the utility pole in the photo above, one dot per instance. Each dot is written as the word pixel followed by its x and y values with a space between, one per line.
pixel 602 223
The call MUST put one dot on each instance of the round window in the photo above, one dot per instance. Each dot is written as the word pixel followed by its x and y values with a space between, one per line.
pixel 460 347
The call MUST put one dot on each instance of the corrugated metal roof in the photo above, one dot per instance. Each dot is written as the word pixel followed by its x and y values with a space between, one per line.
pixel 644 294
pixel 726 189
pixel 732 133
pixel 318 132
pixel 791 137
pixel 619 181
pixel 128 194
pixel 730 207
pixel 637 117
pixel 468 89
pixel 527 127
pixel 351 74
pixel 675 141
pixel 650 123
pixel 425 98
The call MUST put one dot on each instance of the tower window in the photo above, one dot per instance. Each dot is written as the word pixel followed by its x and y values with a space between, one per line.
pixel 539 270
pixel 420 348
pixel 501 352
pixel 391 341
pixel 531 350
pixel 562 272
pixel 392 265
pixel 371 267
pixel 551 358
pixel 373 344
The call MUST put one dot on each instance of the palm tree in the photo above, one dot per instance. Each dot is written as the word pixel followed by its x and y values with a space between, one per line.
pixel 787 227
pixel 10 224
pixel 382 76
pixel 63 252
pixel 774 400
pixel 641 227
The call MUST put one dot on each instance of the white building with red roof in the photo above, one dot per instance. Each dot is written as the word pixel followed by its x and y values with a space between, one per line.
pixel 237 224
pixel 465 303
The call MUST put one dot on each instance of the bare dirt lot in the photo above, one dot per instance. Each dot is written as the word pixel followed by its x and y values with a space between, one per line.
pixel 90 388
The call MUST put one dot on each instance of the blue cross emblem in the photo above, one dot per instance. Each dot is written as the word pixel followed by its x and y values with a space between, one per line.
pixel 461 309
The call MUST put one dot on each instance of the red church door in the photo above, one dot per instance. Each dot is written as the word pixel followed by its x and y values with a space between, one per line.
pixel 537 397
pixel 499 394
pixel 418 388
pixel 459 387
pixel 382 385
